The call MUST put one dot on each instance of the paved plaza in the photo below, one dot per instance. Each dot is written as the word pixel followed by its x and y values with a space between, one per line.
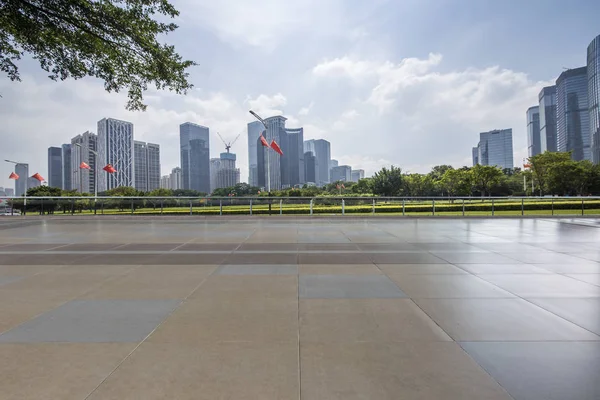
pixel 299 308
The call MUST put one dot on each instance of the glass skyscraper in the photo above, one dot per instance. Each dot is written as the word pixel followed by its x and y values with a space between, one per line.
pixel 254 130
pixel 195 156
pixel 496 148
pixel 322 150
pixel 593 75
pixel 547 98
pixel 292 162
pixel 115 147
pixel 67 169
pixel 534 145
pixel 55 167
pixel 573 116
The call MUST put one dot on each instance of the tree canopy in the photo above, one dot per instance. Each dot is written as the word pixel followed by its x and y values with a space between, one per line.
pixel 387 182
pixel 116 41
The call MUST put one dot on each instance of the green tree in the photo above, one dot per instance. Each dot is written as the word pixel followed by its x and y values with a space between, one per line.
pixel 117 41
pixel 457 182
pixel 187 193
pixel 570 177
pixel 438 171
pixel 387 182
pixel 417 185
pixel 485 177
pixel 44 191
pixel 541 164
pixel 363 186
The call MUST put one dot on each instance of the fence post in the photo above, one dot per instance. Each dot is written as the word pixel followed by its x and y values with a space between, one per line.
pixel 433 207
pixel 311 206
pixel 280 207
pixel 191 207
pixel 403 207
pixel 582 212
pixel 463 207
pixel 373 206
pixel 553 206
pixel 102 208
pixel 42 207
pixel 221 207
pixel 492 207
pixel 72 206
pixel 250 206
pixel 132 206
pixel 343 207
pixel 522 207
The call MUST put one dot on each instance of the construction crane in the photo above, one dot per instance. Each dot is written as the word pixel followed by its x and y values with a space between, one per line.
pixel 228 145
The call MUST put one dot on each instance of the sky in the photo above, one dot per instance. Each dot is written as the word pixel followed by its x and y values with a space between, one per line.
pixel 409 83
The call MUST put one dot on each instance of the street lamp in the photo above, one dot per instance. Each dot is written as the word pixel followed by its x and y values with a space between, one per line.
pixel 262 121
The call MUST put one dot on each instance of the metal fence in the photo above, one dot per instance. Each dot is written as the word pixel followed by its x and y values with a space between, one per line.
pixel 405 206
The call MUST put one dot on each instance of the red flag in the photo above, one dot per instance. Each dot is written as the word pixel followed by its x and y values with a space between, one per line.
pixel 38 177
pixel 337 186
pixel 110 169
pixel 264 141
pixel 343 187
pixel 276 147
pixel 13 176
pixel 84 165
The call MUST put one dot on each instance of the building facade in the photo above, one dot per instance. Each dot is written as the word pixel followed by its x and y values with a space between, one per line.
pixel 67 169
pixel 573 116
pixel 357 175
pixel 9 192
pixel 115 147
pixel 147 166
pixel 194 143
pixel 272 160
pixel 82 150
pixel 55 167
pixel 322 150
pixel 593 71
pixel 341 173
pixel 21 184
pixel 176 179
pixel 310 168
pixel 292 161
pixel 165 182
pixel 224 174
pixel 547 108
pixel 475 155
pixel 496 148
pixel 254 130
pixel 534 144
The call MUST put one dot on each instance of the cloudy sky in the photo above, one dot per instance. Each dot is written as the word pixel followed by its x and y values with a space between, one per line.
pixel 403 82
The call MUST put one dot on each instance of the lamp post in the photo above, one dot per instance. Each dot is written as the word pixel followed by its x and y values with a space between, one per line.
pixel 262 121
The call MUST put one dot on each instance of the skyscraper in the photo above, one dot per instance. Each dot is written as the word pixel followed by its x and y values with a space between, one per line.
pixel 547 98
pixel 21 184
pixel 224 174
pixel 593 71
pixel 153 151
pixel 55 167
pixel 357 175
pixel 67 169
pixel 496 148
pixel 341 173
pixel 254 130
pixel 534 145
pixel 82 149
pixel 147 165
pixel 475 155
pixel 292 161
pixel 115 147
pixel 272 160
pixel 195 156
pixel 322 151
pixel 176 179
pixel 310 167
pixel 573 116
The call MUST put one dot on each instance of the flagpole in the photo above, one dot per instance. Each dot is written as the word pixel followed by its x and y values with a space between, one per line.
pixel 262 121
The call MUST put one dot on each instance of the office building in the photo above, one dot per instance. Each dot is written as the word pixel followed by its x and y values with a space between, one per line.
pixel 9 192
pixel 21 184
pixel 291 163
pixel 2 191
pixel 333 164
pixel 593 72
pixel 254 130
pixel 534 145
pixel 147 166
pixel 32 183
pixel 115 147
pixel 176 179
pixel 195 157
pixel 475 155
pixel 573 116
pixel 82 150
pixel 341 173
pixel 224 174
pixel 272 160
pixel 496 148
pixel 165 182
pixel 322 150
pixel 55 167
pixel 215 164
pixel 67 169
pixel 310 168
pixel 547 108
pixel 357 175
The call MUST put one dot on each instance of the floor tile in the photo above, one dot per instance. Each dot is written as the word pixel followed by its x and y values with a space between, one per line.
pixel 337 258
pixel 66 371
pixel 365 320
pixel 347 287
pixel 542 371
pixel 339 269
pixel 594 279
pixel 544 258
pixel 88 321
pixel 244 289
pixel 406 258
pixel 25 270
pixel 258 270
pixel 500 320
pixel 479 269
pixel 474 258
pixel 582 267
pixel 388 371
pixel 420 269
pixel 205 372
pixel 543 285
pixel 582 312
pixel 446 286
pixel 262 258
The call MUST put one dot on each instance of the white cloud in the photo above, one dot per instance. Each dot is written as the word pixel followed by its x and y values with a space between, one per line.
pixel 306 110
pixel 265 105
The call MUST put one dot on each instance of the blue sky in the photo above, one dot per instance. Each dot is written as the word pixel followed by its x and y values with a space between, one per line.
pixel 409 83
